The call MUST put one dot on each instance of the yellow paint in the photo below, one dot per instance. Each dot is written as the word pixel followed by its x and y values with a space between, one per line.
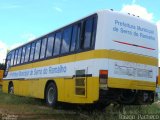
pixel 158 80
pixel 5 86
pixel 131 84
pixel 66 89
pixel 66 86
pixel 1 76
pixel 93 54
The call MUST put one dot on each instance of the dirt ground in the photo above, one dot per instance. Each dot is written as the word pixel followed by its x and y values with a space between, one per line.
pixel 14 107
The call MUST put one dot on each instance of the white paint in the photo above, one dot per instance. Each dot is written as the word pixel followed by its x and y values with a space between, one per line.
pixel 109 28
pixel 109 20
pixel 92 67
pixel 132 71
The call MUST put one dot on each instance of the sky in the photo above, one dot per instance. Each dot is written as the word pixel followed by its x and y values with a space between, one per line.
pixel 25 20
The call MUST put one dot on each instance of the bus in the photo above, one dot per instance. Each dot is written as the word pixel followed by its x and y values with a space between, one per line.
pixel 106 57
pixel 1 73
pixel 1 76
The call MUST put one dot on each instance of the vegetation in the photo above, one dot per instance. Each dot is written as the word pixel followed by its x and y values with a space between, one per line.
pixel 30 108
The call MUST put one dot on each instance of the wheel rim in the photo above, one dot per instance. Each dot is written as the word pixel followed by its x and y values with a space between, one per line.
pixel 51 95
pixel 11 90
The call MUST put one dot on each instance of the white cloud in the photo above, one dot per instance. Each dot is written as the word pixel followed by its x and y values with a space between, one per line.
pixel 3 51
pixel 4 48
pixel 58 9
pixel 138 11
pixel 28 36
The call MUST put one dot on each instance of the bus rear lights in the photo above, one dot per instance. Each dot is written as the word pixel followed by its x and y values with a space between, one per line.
pixel 103 76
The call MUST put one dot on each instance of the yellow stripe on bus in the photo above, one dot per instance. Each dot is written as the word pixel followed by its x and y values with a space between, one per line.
pixel 131 84
pixel 93 54
pixel 1 76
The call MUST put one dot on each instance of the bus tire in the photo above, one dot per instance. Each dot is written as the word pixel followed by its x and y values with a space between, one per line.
pixel 51 94
pixel 11 88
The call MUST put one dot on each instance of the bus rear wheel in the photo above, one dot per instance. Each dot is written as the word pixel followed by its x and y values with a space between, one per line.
pixel 11 88
pixel 51 94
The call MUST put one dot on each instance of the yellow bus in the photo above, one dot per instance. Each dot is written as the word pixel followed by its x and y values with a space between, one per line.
pixel 2 66
pixel 1 76
pixel 102 58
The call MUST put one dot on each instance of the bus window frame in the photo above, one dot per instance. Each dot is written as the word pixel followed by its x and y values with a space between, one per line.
pixel 23 47
pixel 40 41
pixel 13 55
pixel 62 40
pixel 19 59
pixel 26 52
pixel 50 35
pixel 16 56
pixel 44 52
pixel 95 16
pixel 9 54
pixel 59 52
pixel 31 60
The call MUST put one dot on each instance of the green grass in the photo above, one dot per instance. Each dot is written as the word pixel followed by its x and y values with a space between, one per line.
pixel 30 108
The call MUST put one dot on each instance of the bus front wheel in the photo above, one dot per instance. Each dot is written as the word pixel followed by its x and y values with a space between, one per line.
pixel 11 88
pixel 51 94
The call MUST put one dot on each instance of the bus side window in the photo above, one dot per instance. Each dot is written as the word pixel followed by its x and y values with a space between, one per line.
pixel 66 40
pixel 87 34
pixel 50 43
pixel 8 64
pixel 32 51
pixel 57 44
pixel 43 48
pixel 37 50
pixel 28 48
pixel 15 58
pixel 12 58
pixel 74 38
pixel 19 55
pixel 94 31
pixel 78 36
pixel 23 54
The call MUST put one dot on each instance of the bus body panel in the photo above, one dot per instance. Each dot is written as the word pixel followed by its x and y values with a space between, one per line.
pixel 34 83
pixel 65 87
pixel 133 56
pixel 122 48
pixel 1 76
pixel 123 32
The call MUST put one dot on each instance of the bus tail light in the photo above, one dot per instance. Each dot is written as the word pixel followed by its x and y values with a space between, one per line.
pixel 103 76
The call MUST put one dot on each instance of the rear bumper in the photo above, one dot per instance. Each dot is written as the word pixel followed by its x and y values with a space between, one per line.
pixel 131 84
